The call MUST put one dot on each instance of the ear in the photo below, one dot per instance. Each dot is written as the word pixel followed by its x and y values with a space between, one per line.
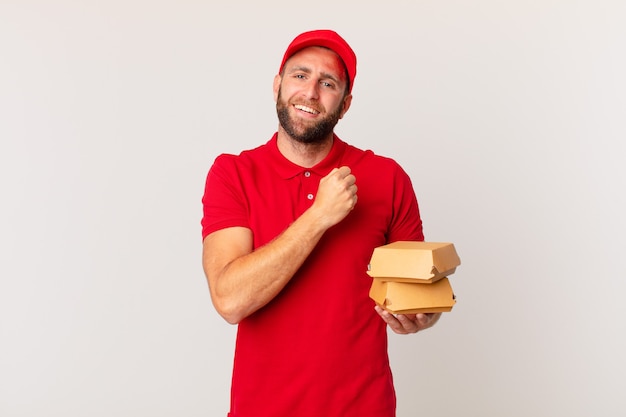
pixel 276 86
pixel 347 100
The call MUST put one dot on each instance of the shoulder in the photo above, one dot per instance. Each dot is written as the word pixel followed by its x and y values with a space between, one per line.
pixel 246 158
pixel 370 160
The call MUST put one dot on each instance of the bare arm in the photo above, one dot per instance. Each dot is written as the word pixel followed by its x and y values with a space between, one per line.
pixel 242 280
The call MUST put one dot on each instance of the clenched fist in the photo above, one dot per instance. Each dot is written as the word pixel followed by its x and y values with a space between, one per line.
pixel 336 195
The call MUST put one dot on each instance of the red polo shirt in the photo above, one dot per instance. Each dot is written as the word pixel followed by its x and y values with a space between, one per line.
pixel 319 348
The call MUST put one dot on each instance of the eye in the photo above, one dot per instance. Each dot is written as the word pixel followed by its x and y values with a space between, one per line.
pixel 327 84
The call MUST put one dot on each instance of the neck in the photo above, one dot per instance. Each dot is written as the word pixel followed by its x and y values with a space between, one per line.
pixel 305 155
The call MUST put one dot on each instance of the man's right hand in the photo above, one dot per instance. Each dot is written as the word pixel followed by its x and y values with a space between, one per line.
pixel 336 195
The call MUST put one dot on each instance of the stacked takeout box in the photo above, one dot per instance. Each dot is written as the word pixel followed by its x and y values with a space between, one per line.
pixel 412 277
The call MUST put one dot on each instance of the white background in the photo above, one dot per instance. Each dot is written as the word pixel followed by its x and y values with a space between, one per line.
pixel 508 115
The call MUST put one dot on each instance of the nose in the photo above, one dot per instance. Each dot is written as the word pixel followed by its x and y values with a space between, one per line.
pixel 311 89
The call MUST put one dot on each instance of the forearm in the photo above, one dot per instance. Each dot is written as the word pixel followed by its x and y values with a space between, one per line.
pixel 249 282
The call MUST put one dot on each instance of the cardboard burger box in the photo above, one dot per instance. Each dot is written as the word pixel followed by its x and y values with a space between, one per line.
pixel 411 277
pixel 411 298
pixel 410 261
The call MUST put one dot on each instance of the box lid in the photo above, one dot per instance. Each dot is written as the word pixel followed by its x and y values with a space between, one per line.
pixel 412 260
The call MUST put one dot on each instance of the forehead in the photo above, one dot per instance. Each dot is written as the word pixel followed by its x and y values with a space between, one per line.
pixel 317 58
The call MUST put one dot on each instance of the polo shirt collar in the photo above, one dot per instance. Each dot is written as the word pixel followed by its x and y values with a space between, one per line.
pixel 287 169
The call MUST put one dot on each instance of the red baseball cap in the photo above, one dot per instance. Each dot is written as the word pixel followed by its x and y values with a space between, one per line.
pixel 328 39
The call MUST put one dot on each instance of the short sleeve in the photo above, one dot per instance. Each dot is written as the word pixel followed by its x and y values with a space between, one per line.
pixel 406 222
pixel 224 202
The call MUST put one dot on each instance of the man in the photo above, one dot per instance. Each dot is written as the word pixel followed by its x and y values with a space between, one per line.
pixel 287 244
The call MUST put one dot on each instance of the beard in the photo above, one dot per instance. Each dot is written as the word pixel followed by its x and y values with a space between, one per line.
pixel 307 133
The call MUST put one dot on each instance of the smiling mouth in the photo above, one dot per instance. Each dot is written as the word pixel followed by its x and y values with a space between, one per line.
pixel 306 109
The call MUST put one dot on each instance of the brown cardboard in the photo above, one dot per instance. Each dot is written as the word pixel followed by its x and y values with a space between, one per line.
pixel 411 261
pixel 411 298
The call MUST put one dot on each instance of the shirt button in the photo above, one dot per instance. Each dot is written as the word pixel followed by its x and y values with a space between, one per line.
pixel 307 174
pixel 310 196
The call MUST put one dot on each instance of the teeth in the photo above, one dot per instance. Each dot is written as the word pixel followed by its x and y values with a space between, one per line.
pixel 306 109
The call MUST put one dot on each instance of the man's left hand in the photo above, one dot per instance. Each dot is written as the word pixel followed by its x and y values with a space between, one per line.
pixel 408 323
